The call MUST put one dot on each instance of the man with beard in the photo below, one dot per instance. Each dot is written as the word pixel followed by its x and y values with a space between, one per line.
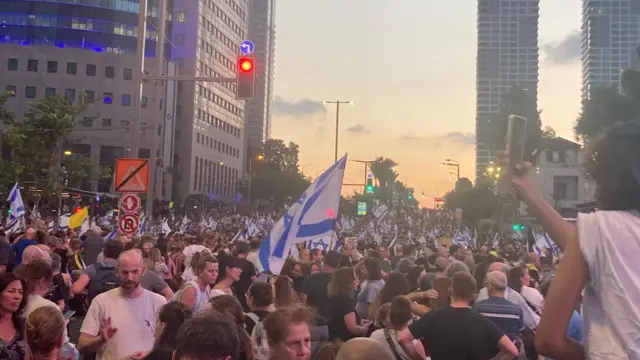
pixel 121 322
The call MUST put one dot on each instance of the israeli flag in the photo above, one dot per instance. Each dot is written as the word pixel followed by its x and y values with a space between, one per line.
pixel 310 217
pixel 113 233
pixel 15 221
pixel 143 223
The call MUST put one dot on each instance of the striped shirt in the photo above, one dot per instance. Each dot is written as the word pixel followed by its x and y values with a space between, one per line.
pixel 503 313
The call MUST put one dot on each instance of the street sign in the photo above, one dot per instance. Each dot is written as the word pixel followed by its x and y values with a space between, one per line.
pixel 369 176
pixel 131 175
pixel 362 208
pixel 129 203
pixel 247 47
pixel 128 223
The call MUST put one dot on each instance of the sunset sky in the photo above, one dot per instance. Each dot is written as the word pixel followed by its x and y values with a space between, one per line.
pixel 409 66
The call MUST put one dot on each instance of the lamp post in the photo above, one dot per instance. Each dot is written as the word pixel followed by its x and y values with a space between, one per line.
pixel 452 163
pixel 337 102
pixel 260 158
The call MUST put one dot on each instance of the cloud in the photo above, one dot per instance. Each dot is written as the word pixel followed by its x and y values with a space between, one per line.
pixel 465 138
pixel 566 51
pixel 358 129
pixel 437 140
pixel 297 108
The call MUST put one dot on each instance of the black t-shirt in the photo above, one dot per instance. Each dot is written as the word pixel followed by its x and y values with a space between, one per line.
pixel 340 305
pixel 457 333
pixel 315 287
pixel 240 288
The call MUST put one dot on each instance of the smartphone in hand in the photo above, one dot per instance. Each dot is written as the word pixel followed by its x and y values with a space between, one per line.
pixel 516 141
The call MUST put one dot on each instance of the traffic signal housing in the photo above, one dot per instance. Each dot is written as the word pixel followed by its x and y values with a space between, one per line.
pixel 518 227
pixel 246 78
pixel 369 188
pixel 410 194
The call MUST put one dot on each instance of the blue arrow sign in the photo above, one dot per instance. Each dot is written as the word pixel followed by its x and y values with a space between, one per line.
pixel 247 47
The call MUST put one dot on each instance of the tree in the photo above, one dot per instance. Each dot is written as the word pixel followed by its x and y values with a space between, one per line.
pixel 36 142
pixel 516 102
pixel 383 170
pixel 606 106
pixel 477 202
pixel 548 133
pixel 277 177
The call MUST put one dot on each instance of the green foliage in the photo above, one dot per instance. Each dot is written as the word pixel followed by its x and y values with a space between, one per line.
pixel 277 176
pixel 477 202
pixel 516 102
pixel 383 171
pixel 606 106
pixel 37 141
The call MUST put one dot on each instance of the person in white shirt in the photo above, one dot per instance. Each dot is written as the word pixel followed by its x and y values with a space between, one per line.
pixel 195 247
pixel 121 322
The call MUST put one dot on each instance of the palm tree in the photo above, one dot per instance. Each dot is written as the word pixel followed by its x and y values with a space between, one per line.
pixel 382 169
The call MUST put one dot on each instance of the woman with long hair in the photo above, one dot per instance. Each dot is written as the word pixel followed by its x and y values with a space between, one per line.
pixel 12 302
pixel 170 318
pixel 284 294
pixel 399 317
pixel 519 281
pixel 397 284
pixel 344 323
pixel 45 334
pixel 37 276
pixel 371 288
pixel 230 306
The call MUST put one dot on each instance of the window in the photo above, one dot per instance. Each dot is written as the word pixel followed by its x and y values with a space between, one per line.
pixel 52 67
pixel 127 74
pixel 143 102
pixel 11 90
pixel 32 65
pixel 91 95
pixel 109 72
pixel 30 92
pixel 91 70
pixel 12 65
pixel 86 121
pixel 106 122
pixel 126 100
pixel 124 122
pixel 49 92
pixel 181 17
pixel 70 94
pixel 72 68
pixel 108 98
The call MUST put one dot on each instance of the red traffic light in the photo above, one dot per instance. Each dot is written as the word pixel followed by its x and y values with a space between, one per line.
pixel 77 209
pixel 246 65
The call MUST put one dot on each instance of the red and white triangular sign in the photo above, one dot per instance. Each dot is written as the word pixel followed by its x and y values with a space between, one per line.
pixel 135 184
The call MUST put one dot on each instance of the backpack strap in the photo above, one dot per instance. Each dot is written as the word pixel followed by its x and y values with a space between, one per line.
pixel 392 345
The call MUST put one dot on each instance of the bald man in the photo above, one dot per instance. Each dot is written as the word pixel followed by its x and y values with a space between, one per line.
pixel 35 252
pixel 364 349
pixel 120 323
pixel 530 318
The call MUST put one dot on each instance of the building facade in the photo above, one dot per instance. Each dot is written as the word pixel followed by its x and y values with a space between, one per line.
pixel 262 31
pixel 507 56
pixel 86 47
pixel 559 176
pixel 210 132
pixel 610 41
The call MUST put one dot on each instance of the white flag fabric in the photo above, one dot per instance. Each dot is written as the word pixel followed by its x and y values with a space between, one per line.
pixel 312 216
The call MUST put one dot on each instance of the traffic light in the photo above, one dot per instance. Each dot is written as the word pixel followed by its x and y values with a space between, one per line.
pixel 410 194
pixel 246 78
pixel 369 189
pixel 77 209
pixel 518 227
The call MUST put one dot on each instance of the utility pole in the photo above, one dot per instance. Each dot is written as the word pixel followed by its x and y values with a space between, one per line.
pixel 453 163
pixel 338 102
pixel 366 167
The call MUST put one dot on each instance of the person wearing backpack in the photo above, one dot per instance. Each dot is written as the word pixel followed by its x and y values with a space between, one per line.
pixel 101 276
pixel 259 299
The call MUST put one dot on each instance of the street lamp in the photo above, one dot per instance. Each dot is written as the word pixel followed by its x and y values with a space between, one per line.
pixel 452 163
pixel 338 102
pixel 67 152
pixel 259 158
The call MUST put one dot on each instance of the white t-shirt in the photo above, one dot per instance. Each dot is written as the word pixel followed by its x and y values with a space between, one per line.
pixel 188 252
pixel 610 244
pixel 135 320
pixel 533 296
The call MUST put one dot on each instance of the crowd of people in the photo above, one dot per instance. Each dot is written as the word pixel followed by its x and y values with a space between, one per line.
pixel 198 295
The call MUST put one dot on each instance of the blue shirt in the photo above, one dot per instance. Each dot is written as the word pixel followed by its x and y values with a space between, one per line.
pixel 574 331
pixel 503 313
pixel 18 248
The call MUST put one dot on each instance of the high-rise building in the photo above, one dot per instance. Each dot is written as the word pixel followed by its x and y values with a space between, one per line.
pixel 262 31
pixel 610 40
pixel 210 127
pixel 507 56
pixel 73 47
